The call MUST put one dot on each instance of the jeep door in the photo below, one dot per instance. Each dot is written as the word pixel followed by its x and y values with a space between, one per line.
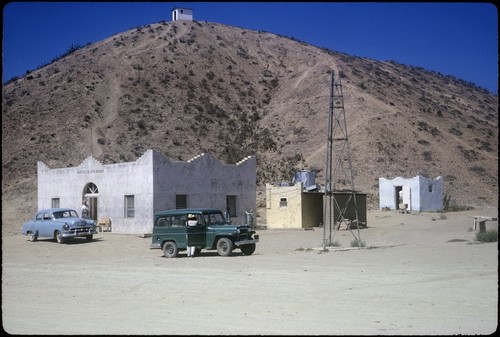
pixel 196 235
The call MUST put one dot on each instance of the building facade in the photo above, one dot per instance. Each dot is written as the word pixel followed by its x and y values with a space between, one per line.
pixel 131 193
pixel 413 194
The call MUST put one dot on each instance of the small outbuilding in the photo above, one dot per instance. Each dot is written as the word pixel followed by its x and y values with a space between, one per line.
pixel 413 194
pixel 293 207
pixel 301 205
pixel 182 14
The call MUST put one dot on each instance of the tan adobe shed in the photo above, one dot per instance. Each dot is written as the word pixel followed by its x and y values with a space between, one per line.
pixel 296 207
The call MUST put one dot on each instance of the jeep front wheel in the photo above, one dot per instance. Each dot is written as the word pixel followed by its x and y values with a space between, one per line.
pixel 224 247
pixel 248 249
pixel 170 249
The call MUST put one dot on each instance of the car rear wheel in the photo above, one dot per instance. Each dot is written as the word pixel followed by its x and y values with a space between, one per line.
pixel 32 236
pixel 224 247
pixel 59 237
pixel 248 249
pixel 170 249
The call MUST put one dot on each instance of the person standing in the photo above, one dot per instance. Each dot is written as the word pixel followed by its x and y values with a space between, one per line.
pixel 192 221
pixel 85 210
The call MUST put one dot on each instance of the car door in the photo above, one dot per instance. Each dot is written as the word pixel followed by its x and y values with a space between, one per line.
pixel 196 235
pixel 33 225
pixel 45 225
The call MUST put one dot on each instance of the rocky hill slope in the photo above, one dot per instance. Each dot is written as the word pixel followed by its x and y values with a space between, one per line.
pixel 184 88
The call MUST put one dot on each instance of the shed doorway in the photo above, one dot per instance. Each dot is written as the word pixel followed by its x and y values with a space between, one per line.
pixel 90 196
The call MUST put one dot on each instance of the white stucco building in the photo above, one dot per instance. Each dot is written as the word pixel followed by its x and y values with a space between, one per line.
pixel 182 14
pixel 130 193
pixel 417 193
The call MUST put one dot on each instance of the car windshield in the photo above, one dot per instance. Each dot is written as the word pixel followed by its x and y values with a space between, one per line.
pixel 214 218
pixel 65 214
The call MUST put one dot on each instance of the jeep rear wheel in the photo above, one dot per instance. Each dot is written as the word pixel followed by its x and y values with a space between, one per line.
pixel 170 249
pixel 248 249
pixel 224 247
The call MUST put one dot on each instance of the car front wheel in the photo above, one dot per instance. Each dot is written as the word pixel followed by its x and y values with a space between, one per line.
pixel 59 237
pixel 32 237
pixel 89 237
pixel 170 249
pixel 224 247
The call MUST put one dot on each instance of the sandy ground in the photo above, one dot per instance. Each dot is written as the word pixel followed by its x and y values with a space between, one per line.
pixel 421 275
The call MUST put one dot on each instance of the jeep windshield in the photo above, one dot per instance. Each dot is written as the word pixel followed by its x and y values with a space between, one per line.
pixel 214 218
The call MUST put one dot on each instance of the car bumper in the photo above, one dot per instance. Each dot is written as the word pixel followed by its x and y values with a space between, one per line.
pixel 78 234
pixel 247 242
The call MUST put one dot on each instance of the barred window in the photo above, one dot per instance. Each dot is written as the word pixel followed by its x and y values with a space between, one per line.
pixel 129 206
pixel 56 202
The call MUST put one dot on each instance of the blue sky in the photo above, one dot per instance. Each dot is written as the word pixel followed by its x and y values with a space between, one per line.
pixel 458 39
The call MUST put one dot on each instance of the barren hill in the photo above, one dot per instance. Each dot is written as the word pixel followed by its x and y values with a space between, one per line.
pixel 185 88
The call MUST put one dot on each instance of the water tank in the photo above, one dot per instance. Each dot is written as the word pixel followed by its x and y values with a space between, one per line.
pixel 308 178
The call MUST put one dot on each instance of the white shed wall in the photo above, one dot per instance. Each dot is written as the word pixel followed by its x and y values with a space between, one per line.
pixel 431 199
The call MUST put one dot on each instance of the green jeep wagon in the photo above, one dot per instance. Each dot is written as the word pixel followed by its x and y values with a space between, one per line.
pixel 173 232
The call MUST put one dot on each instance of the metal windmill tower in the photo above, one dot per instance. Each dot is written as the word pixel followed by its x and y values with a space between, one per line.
pixel 339 176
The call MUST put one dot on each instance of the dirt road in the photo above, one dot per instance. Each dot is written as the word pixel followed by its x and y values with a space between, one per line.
pixel 421 276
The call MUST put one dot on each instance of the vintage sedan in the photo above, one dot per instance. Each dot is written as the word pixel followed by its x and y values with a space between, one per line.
pixel 59 224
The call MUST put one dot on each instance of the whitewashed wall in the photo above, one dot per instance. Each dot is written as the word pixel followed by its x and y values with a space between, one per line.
pixel 153 180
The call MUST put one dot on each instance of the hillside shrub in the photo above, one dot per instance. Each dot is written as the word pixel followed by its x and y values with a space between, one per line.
pixel 357 243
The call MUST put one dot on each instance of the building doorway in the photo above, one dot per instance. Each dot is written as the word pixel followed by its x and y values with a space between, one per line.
pixel 399 196
pixel 90 197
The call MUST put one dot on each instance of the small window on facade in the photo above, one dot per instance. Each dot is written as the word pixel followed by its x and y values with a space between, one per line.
pixel 231 205
pixel 129 206
pixel 56 203
pixel 430 188
pixel 283 202
pixel 180 201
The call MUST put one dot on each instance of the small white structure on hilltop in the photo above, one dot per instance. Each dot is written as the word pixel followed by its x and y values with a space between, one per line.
pixel 131 193
pixel 414 194
pixel 182 14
